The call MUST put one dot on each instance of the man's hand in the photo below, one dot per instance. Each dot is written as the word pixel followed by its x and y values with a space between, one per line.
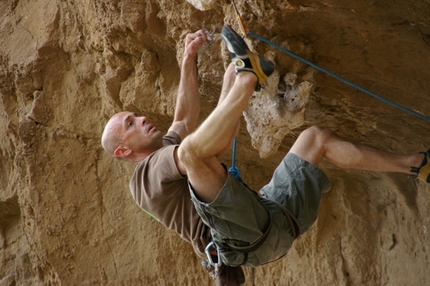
pixel 194 40
pixel 188 100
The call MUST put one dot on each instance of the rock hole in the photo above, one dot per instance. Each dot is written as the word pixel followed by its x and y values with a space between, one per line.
pixel 394 242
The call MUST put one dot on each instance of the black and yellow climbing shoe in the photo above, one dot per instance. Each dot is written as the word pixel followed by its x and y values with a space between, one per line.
pixel 243 59
pixel 423 171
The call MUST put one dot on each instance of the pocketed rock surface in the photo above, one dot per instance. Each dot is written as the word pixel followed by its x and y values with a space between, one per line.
pixel 66 213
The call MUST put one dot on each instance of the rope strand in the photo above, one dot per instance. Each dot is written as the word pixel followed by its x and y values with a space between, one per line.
pixel 338 77
pixel 234 170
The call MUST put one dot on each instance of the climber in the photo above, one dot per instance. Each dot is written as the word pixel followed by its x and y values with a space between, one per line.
pixel 187 189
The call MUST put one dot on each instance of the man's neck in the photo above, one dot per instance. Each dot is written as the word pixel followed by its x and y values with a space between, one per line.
pixel 143 155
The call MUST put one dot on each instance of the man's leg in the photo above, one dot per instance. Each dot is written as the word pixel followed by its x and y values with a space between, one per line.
pixel 198 152
pixel 315 143
pixel 228 81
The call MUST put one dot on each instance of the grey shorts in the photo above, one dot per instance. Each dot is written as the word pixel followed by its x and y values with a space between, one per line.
pixel 240 216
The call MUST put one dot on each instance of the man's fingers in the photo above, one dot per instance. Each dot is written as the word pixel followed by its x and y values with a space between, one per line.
pixel 205 35
pixel 194 40
pixel 201 36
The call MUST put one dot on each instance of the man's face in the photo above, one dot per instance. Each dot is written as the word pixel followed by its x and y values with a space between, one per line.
pixel 136 133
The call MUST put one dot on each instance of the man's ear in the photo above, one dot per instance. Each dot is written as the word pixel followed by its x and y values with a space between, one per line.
pixel 122 152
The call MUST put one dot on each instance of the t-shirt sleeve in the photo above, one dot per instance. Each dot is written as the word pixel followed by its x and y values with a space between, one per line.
pixel 171 138
pixel 163 166
pixel 158 188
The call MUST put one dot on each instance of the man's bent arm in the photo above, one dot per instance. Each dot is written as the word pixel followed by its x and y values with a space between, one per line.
pixel 188 100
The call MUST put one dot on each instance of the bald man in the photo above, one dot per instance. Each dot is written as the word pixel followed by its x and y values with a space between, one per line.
pixel 179 180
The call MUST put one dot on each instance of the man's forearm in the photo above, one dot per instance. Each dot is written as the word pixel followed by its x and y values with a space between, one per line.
pixel 188 99
pixel 188 92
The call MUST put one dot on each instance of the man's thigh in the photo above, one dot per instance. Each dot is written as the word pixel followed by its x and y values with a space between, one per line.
pixel 206 176
pixel 297 185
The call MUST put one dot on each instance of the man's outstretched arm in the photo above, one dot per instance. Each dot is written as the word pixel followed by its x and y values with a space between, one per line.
pixel 188 100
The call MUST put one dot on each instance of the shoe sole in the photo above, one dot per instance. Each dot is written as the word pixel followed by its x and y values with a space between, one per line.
pixel 235 43
pixel 262 67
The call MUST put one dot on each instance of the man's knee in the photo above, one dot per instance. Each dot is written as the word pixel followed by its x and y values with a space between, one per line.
pixel 318 135
pixel 191 153
pixel 310 145
pixel 186 152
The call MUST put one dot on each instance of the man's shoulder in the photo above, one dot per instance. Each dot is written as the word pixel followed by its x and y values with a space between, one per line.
pixel 154 164
pixel 165 152
pixel 155 171
pixel 171 138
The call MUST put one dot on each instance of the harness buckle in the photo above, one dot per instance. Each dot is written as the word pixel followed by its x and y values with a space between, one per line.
pixel 209 248
pixel 216 265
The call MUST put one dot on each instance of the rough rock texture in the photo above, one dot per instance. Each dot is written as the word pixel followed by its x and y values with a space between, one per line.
pixel 66 214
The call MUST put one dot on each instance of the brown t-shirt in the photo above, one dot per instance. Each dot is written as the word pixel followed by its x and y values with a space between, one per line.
pixel 160 190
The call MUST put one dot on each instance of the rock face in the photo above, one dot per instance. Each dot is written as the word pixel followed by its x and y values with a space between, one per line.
pixel 66 214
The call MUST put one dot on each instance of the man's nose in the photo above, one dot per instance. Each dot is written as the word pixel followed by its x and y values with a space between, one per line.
pixel 143 120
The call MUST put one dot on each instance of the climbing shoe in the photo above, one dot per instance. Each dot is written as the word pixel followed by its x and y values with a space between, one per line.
pixel 245 60
pixel 423 171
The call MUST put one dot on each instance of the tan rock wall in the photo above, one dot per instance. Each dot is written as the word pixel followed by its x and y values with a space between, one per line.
pixel 66 215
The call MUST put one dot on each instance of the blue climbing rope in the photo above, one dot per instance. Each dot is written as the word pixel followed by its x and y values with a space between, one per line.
pixel 234 170
pixel 338 77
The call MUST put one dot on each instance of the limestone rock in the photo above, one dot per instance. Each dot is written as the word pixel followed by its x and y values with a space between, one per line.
pixel 66 214
pixel 203 5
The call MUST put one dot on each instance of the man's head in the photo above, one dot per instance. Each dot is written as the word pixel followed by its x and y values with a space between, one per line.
pixel 128 136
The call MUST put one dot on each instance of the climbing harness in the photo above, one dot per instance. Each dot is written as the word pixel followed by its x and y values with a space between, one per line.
pixel 242 28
